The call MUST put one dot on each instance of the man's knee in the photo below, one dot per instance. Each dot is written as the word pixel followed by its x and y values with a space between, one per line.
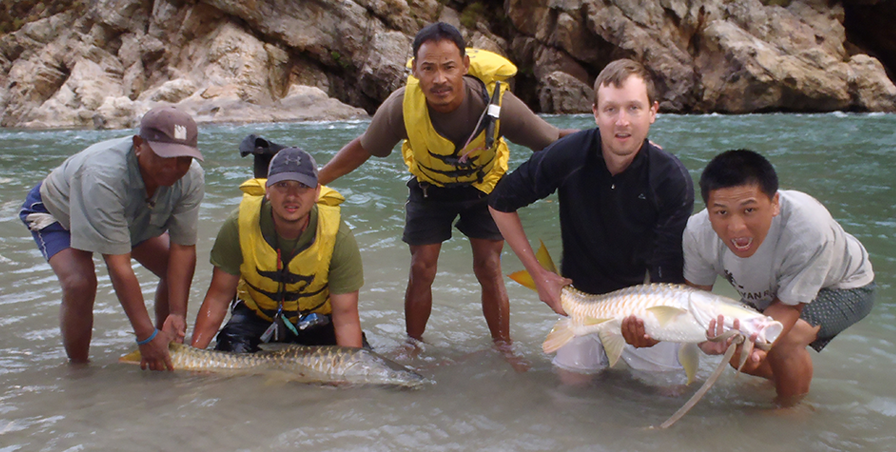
pixel 487 260
pixel 152 254
pixel 79 288
pixel 487 268
pixel 424 264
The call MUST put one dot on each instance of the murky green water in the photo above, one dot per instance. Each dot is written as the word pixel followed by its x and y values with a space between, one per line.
pixel 479 401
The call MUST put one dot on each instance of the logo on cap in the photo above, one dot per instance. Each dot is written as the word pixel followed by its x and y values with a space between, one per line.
pixel 180 132
pixel 289 159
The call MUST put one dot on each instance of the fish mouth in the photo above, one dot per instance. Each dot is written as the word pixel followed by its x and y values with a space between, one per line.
pixel 769 333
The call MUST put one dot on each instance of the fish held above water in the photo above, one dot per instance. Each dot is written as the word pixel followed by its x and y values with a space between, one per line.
pixel 670 312
pixel 306 364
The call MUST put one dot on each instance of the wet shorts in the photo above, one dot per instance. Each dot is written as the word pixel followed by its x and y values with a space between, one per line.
pixel 585 355
pixel 837 309
pixel 242 334
pixel 49 235
pixel 430 212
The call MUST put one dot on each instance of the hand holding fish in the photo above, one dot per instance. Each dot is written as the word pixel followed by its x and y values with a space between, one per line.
pixel 549 285
pixel 635 334
pixel 716 329
pixel 176 326
pixel 154 354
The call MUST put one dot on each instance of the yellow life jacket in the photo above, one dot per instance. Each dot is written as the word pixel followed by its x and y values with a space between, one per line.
pixel 434 159
pixel 306 288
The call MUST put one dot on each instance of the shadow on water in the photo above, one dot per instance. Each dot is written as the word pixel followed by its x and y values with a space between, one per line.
pixel 479 402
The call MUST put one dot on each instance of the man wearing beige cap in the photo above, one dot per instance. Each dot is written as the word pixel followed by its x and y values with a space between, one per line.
pixel 137 197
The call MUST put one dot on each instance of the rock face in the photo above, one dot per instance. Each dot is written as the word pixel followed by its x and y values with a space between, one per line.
pixel 102 64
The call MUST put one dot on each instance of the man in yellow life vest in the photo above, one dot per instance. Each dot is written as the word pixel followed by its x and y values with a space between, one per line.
pixel 453 126
pixel 291 262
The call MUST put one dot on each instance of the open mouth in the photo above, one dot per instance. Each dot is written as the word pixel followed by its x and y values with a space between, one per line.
pixel 742 243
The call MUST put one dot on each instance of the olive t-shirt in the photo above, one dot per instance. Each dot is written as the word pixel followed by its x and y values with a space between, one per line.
pixel 346 270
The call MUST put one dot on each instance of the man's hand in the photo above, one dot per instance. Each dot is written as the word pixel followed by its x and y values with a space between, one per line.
pixel 154 354
pixel 717 328
pixel 634 333
pixel 549 285
pixel 176 327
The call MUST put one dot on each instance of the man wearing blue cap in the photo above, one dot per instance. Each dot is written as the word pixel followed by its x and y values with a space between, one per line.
pixel 291 262
pixel 129 197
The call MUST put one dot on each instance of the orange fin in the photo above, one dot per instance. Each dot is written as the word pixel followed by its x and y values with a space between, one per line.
pixel 544 259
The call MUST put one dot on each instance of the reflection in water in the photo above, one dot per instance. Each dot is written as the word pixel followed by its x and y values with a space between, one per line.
pixel 480 401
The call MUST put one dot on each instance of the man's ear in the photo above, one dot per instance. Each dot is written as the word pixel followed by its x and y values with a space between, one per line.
pixel 466 64
pixel 137 142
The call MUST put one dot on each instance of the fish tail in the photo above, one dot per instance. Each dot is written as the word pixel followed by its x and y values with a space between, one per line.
pixel 559 336
pixel 544 259
pixel 131 358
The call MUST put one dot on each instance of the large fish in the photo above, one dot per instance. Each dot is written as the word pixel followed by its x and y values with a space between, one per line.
pixel 306 364
pixel 670 312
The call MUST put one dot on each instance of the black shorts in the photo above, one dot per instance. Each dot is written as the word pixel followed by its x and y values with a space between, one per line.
pixel 430 212
pixel 242 334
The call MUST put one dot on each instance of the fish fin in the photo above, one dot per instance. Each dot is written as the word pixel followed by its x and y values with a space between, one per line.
pixel 544 258
pixel 591 321
pixel 133 357
pixel 613 343
pixel 523 277
pixel 666 314
pixel 689 359
pixel 559 336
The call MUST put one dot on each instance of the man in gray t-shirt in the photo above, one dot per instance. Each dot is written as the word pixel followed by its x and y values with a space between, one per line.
pixel 134 197
pixel 785 255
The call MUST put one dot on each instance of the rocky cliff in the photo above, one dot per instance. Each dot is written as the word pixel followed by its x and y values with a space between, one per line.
pixel 102 63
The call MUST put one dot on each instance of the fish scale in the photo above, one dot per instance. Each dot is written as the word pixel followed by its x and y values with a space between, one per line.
pixel 639 301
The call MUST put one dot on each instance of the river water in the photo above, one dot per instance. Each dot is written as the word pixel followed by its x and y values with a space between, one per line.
pixel 479 402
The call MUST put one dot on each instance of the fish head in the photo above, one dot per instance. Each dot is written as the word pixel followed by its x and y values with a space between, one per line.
pixel 706 306
pixel 766 329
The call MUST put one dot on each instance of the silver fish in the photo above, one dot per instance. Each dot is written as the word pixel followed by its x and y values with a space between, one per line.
pixel 670 312
pixel 306 364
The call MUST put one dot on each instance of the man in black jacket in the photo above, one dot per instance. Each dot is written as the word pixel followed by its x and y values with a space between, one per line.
pixel 624 202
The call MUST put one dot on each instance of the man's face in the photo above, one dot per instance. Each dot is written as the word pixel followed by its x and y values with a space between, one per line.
pixel 624 116
pixel 160 171
pixel 741 216
pixel 291 201
pixel 440 69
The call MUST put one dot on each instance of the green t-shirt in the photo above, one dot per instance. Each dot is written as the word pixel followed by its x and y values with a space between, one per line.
pixel 346 269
